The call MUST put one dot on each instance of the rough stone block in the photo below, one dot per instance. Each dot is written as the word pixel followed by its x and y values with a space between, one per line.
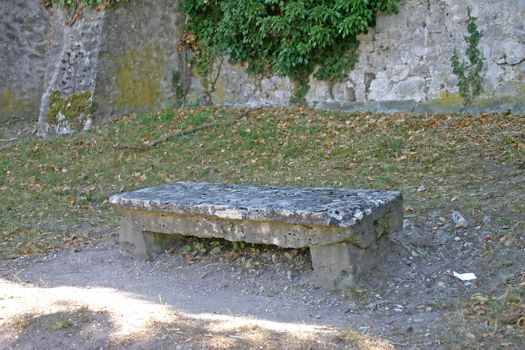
pixel 336 266
pixel 342 227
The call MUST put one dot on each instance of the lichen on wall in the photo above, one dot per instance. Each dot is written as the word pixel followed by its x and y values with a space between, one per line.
pixel 13 106
pixel 139 74
pixel 138 58
pixel 66 104
pixel 73 113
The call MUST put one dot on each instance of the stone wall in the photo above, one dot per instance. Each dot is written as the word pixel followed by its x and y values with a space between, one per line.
pixel 125 60
pixel 66 102
pixel 69 72
pixel 404 64
pixel 109 63
pixel 138 58
pixel 24 43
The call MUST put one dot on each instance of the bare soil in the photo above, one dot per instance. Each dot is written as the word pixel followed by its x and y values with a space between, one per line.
pixel 94 296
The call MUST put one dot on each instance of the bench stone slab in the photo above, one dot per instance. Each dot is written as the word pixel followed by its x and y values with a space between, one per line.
pixel 342 227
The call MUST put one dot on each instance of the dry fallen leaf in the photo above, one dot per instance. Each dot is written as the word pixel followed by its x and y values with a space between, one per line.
pixel 70 199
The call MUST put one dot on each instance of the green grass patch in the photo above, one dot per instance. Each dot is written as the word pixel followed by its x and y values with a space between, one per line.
pixel 492 321
pixel 47 187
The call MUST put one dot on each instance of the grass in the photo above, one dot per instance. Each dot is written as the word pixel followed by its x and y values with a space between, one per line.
pixel 247 334
pixel 485 321
pixel 21 322
pixel 60 321
pixel 356 293
pixel 48 186
pixel 53 322
pixel 64 320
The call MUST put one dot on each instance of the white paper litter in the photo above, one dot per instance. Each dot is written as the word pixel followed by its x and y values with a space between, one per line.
pixel 469 276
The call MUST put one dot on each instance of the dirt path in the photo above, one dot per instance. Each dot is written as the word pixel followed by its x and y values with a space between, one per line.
pixel 99 298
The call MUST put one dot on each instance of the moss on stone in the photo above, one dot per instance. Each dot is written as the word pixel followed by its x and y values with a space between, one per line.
pixel 488 101
pixel 520 86
pixel 8 100
pixel 139 75
pixel 73 110
pixel 219 94
pixel 449 99
pixel 12 105
pixel 180 88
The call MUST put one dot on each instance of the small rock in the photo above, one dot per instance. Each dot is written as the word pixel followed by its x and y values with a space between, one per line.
pixel 421 188
pixel 215 251
pixel 446 226
pixel 406 223
pixel 436 214
pixel 84 229
pixel 459 220
pixel 291 254
pixel 441 284
pixel 420 239
pixel 487 220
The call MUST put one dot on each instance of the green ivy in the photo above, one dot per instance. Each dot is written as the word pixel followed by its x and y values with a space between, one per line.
pixel 292 38
pixel 469 74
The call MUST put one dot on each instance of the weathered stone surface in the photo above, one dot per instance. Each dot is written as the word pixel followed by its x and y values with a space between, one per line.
pixel 344 221
pixel 139 67
pixel 125 59
pixel 24 28
pixel 333 207
pixel 70 72
pixel 338 265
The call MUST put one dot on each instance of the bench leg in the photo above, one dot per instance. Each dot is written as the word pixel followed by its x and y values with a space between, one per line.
pixel 336 266
pixel 139 243
pixel 131 239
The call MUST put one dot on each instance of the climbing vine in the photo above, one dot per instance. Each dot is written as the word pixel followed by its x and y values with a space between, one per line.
pixel 469 73
pixel 292 38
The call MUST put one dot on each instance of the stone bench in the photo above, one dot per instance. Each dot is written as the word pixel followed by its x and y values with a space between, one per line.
pixel 343 228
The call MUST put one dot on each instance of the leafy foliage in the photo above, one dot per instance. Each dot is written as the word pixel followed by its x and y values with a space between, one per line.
pixel 290 38
pixel 468 74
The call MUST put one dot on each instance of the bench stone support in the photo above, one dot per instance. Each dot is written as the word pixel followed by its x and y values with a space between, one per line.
pixel 130 239
pixel 137 242
pixel 336 266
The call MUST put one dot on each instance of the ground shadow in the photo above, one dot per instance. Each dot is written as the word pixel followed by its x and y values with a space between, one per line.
pixel 80 328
